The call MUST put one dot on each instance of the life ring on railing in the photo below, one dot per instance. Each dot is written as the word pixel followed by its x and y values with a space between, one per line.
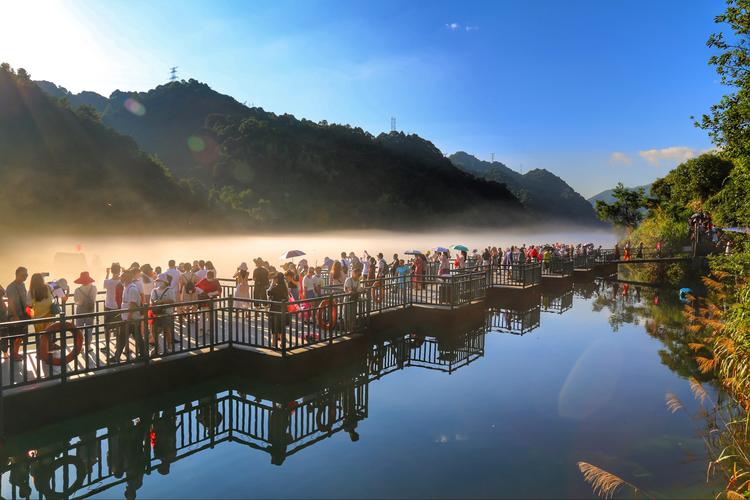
pixel 14 352
pixel 44 338
pixel 43 480
pixel 327 305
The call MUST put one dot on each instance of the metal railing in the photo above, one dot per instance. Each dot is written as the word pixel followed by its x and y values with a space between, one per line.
pixel 516 275
pixel 128 448
pixel 517 322
pixel 557 266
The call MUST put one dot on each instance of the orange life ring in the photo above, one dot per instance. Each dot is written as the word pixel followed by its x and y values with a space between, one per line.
pixel 14 352
pixel 324 305
pixel 44 338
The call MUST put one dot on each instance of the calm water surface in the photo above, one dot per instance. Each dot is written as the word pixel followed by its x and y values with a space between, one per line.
pixel 476 411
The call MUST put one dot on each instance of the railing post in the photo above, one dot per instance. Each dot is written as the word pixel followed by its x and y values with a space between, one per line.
pixel 284 316
pixel 231 320
pixel 63 342
pixel 145 336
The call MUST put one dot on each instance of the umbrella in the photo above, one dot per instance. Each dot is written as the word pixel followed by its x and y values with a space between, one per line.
pixel 413 252
pixel 290 254
pixel 460 248
pixel 440 249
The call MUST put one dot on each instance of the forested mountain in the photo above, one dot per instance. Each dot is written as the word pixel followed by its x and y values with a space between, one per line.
pixel 61 167
pixel 85 98
pixel 280 169
pixel 541 191
pixel 606 195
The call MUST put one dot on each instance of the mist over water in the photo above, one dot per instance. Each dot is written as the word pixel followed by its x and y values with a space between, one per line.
pixel 67 256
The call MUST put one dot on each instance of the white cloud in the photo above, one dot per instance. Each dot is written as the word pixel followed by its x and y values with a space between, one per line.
pixel 472 28
pixel 672 154
pixel 620 157
pixel 453 26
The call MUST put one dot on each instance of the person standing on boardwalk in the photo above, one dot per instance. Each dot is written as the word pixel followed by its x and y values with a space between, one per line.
pixel 17 303
pixel 309 284
pixel 40 299
pixel 84 298
pixel 353 287
pixel 639 252
pixel 242 288
pixel 112 301
pixel 260 280
pixel 162 296
pixel 394 265
pixel 131 317
pixel 279 295
pixel 174 273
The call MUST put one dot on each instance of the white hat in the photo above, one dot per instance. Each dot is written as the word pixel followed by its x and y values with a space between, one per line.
pixel 164 278
pixel 243 266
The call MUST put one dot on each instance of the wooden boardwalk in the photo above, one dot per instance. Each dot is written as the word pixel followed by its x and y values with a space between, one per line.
pixel 246 324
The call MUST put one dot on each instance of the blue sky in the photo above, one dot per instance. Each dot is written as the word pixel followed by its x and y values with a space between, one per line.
pixel 595 91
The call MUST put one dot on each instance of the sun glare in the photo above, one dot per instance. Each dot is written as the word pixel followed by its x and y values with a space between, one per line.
pixel 65 42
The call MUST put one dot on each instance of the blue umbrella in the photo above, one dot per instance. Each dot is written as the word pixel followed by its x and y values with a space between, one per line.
pixel 413 252
pixel 460 248
pixel 440 249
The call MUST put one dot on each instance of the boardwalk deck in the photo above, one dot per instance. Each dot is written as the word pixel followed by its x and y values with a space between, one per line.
pixel 205 326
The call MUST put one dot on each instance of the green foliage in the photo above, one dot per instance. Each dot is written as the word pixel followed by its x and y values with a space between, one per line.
pixel 728 122
pixel 688 186
pixel 625 210
pixel 60 168
pixel 731 205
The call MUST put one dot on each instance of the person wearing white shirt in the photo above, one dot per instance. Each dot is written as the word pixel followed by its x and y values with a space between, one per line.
pixel 162 295
pixel 309 283
pixel 174 273
pixel 353 287
pixel 84 298
pixel 131 303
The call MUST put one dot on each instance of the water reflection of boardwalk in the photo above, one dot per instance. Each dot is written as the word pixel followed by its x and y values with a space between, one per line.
pixel 127 448
pixel 200 327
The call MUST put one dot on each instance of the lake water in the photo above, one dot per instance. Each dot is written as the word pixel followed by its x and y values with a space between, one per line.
pixel 65 256
pixel 477 411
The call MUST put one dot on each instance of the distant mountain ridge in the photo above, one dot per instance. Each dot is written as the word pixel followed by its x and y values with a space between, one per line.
pixel 540 190
pixel 606 195
pixel 280 169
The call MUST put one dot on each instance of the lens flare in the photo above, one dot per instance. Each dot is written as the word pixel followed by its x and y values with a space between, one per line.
pixel 196 144
pixel 134 107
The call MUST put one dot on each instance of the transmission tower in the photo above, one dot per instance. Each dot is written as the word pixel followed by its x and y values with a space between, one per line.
pixel 393 123
pixel 173 73
pixel 492 157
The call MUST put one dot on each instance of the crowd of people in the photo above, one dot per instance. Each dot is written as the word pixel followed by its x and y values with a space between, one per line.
pixel 140 289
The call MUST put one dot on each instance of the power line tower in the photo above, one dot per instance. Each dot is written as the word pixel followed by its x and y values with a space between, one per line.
pixel 173 73
pixel 492 157
pixel 393 123
pixel 521 168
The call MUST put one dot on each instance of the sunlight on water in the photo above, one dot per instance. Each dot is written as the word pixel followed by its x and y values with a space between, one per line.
pixel 68 256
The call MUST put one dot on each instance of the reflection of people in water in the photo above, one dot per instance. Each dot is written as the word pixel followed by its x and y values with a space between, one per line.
pixel 351 417
pixel 277 433
pixel 19 476
pixel 136 454
pixel 165 444
pixel 208 415
pixel 88 451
